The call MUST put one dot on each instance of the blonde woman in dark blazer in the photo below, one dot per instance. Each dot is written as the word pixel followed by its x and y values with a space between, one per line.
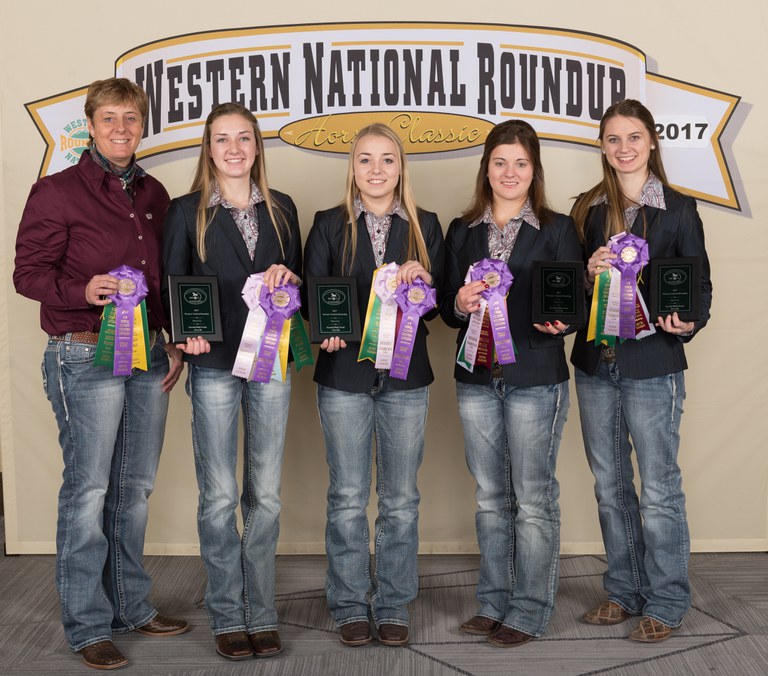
pixel 377 223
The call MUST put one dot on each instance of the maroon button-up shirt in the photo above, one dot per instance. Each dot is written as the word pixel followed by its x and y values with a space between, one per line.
pixel 79 223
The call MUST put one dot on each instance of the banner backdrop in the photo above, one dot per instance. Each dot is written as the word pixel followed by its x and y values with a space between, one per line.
pixel 442 86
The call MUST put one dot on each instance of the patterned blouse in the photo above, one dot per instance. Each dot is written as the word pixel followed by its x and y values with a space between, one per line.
pixel 247 220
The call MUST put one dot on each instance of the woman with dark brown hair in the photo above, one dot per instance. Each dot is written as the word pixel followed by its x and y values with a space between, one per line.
pixel 512 407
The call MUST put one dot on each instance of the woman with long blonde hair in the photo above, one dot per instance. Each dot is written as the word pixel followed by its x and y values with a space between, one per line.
pixel 233 225
pixel 377 223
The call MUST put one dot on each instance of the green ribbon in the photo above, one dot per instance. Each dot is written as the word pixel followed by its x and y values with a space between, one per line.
pixel 105 348
pixel 300 346
pixel 370 342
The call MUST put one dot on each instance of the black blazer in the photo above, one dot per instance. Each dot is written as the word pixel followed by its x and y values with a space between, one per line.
pixel 674 231
pixel 540 357
pixel 323 258
pixel 227 258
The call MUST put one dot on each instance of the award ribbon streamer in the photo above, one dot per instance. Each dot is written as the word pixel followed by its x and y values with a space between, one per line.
pixel 385 285
pixel 415 300
pixel 468 350
pixel 131 290
pixel 497 276
pixel 300 345
pixel 371 328
pixel 279 306
pixel 631 256
pixel 253 329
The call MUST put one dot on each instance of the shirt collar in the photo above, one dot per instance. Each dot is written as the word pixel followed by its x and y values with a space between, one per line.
pixel 395 209
pixel 526 214
pixel 217 198
pixel 652 194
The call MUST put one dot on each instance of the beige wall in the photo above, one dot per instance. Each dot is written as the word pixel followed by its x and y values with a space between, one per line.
pixel 49 47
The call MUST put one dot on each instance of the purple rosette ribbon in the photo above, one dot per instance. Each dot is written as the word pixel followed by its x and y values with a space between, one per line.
pixel 631 256
pixel 131 290
pixel 279 306
pixel 415 300
pixel 497 276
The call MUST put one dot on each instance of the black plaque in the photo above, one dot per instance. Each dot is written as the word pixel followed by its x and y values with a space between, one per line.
pixel 676 287
pixel 558 292
pixel 194 305
pixel 333 309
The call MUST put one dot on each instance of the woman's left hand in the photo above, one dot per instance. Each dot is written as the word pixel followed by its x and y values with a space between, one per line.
pixel 672 324
pixel 176 367
pixel 410 271
pixel 554 329
pixel 277 275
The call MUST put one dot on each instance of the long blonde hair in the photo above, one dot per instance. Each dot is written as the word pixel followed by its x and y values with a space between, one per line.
pixel 205 178
pixel 609 186
pixel 417 247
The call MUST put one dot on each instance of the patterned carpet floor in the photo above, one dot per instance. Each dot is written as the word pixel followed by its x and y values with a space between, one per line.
pixel 726 631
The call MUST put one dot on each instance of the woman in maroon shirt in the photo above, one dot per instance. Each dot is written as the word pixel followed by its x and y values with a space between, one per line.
pixel 104 213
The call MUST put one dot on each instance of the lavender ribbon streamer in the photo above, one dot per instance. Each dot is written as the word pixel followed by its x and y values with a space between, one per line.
pixel 631 256
pixel 496 274
pixel 131 290
pixel 279 305
pixel 415 300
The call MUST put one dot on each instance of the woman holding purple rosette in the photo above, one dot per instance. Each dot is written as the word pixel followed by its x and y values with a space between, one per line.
pixel 91 235
pixel 511 380
pixel 233 226
pixel 629 373
pixel 376 390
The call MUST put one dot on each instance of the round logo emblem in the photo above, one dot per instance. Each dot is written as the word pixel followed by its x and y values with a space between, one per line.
pixel 333 297
pixel 195 296
pixel 675 277
pixel 492 279
pixel 557 280
pixel 126 287
pixel 629 254
pixel 392 284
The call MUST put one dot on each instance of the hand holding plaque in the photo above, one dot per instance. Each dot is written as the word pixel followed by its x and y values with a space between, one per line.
pixel 558 292
pixel 676 287
pixel 333 308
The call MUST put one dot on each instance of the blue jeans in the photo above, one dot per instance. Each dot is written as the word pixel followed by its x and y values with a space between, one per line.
pixel 646 541
pixel 350 422
pixel 511 439
pixel 240 595
pixel 111 431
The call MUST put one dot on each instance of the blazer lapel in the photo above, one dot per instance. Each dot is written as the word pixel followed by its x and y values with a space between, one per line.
pixel 521 251
pixel 397 242
pixel 267 243
pixel 232 233
pixel 364 252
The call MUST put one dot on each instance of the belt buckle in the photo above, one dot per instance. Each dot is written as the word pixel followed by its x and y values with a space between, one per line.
pixel 608 354
pixel 497 371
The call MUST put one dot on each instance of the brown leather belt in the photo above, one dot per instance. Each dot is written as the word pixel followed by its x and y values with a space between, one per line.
pixel 79 337
pixel 91 338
